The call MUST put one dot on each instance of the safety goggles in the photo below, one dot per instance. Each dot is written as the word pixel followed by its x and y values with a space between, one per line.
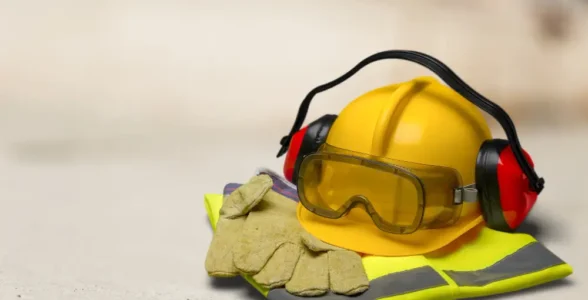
pixel 401 197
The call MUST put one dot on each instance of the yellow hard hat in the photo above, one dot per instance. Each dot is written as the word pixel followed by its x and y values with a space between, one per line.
pixel 419 126
pixel 417 157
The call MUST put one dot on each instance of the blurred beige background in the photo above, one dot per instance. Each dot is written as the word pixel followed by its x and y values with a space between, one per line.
pixel 117 116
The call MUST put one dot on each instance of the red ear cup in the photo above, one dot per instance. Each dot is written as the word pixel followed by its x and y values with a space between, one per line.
pixel 505 195
pixel 305 142
pixel 293 151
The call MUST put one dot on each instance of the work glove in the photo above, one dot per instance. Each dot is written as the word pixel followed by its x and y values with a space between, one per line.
pixel 273 247
pixel 232 216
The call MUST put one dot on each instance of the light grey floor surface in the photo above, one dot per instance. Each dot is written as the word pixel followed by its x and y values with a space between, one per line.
pixel 123 218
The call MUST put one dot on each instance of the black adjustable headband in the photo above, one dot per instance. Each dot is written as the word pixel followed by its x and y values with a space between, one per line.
pixel 456 83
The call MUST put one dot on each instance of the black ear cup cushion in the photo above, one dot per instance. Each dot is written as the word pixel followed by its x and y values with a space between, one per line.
pixel 487 184
pixel 315 136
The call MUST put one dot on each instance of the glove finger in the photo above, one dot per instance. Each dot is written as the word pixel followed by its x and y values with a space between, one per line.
pixel 311 275
pixel 280 267
pixel 254 248
pixel 347 275
pixel 315 244
pixel 219 258
pixel 244 198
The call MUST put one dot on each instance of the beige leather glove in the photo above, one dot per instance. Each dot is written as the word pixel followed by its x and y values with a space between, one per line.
pixel 274 248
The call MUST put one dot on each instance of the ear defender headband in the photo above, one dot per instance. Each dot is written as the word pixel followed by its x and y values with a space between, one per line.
pixel 506 181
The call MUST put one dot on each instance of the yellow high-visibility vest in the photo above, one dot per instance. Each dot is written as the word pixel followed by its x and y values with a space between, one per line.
pixel 494 263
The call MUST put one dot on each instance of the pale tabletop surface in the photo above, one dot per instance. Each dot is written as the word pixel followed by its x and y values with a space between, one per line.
pixel 126 220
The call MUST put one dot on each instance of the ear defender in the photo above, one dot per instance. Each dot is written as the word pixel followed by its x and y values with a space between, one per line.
pixel 305 142
pixel 505 194
pixel 506 181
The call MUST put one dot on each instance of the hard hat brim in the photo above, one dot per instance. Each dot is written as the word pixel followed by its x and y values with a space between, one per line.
pixel 359 234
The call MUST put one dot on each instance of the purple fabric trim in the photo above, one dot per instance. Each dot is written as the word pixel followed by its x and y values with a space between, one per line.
pixel 279 187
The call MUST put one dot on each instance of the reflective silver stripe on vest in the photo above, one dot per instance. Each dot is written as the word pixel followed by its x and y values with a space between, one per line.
pixel 386 286
pixel 534 257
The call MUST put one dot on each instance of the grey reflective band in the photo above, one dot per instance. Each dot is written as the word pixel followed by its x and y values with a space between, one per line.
pixel 531 258
pixel 468 193
pixel 534 257
pixel 386 286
